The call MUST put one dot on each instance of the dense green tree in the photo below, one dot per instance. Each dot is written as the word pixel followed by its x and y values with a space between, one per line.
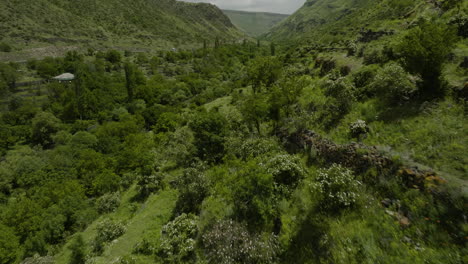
pixel 424 50
pixel 393 84
pixel 113 56
pixel 44 125
pixel 9 245
pixel 263 72
pixel 254 110
pixel 209 129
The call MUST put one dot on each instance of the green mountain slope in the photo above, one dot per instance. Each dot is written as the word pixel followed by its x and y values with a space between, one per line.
pixel 254 23
pixel 331 20
pixel 165 23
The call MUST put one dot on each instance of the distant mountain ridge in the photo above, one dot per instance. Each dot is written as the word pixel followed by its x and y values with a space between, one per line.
pixel 254 23
pixel 162 23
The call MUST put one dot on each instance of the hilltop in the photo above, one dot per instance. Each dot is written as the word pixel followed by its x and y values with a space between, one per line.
pixel 254 23
pixel 111 23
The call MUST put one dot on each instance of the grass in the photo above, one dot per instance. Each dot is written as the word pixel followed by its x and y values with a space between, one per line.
pixel 146 221
pixel 434 135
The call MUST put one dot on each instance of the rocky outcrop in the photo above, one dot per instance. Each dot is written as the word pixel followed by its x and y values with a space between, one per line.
pixel 360 158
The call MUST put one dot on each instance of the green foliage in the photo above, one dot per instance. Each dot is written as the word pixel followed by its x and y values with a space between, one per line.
pixel 44 126
pixel 340 99
pixel 78 251
pixel 178 242
pixel 8 77
pixel 338 187
pixel 113 56
pixel 4 47
pixel 228 242
pixel 263 72
pixel 423 51
pixel 108 203
pixel 392 84
pixel 209 130
pixel 9 245
pixel 193 189
pixel 148 184
pixel 107 230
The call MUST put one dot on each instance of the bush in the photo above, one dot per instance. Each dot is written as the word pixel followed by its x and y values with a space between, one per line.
pixel 363 78
pixel 193 188
pixel 393 84
pixel 78 251
pixel 286 170
pixel 107 231
pixel 229 242
pixel 338 187
pixel 148 184
pixel 358 129
pixel 177 243
pixel 108 203
pixel 113 56
pixel 4 47
pixel 340 94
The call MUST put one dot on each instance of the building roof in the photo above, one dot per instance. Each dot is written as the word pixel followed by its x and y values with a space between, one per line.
pixel 64 77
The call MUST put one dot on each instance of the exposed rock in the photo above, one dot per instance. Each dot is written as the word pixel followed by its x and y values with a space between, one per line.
pixel 360 158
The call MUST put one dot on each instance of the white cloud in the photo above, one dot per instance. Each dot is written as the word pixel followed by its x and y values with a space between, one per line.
pixel 275 6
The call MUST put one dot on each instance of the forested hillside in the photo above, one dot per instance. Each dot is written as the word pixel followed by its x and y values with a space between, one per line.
pixel 347 145
pixel 254 24
pixel 139 23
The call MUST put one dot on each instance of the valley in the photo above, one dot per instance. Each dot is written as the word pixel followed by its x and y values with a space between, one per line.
pixel 188 134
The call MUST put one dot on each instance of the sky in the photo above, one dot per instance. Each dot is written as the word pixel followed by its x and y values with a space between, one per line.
pixel 274 6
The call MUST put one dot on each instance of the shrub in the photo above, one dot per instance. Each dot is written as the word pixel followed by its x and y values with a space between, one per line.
pixel 108 203
pixel 338 187
pixel 113 56
pixel 193 188
pixel 245 148
pixel 286 170
pixel 393 84
pixel 363 78
pixel 177 243
pixel 4 47
pixel 148 184
pixel 358 129
pixel 107 231
pixel 228 242
pixel 78 251
pixel 340 94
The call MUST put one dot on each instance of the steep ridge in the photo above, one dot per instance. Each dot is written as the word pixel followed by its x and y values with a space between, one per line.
pixel 163 23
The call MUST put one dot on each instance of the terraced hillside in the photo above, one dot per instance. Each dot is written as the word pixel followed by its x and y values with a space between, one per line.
pixel 139 23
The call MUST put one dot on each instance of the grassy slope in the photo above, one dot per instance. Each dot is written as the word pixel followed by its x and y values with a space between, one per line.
pixel 146 221
pixel 139 23
pixel 430 134
pixel 339 20
pixel 254 23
